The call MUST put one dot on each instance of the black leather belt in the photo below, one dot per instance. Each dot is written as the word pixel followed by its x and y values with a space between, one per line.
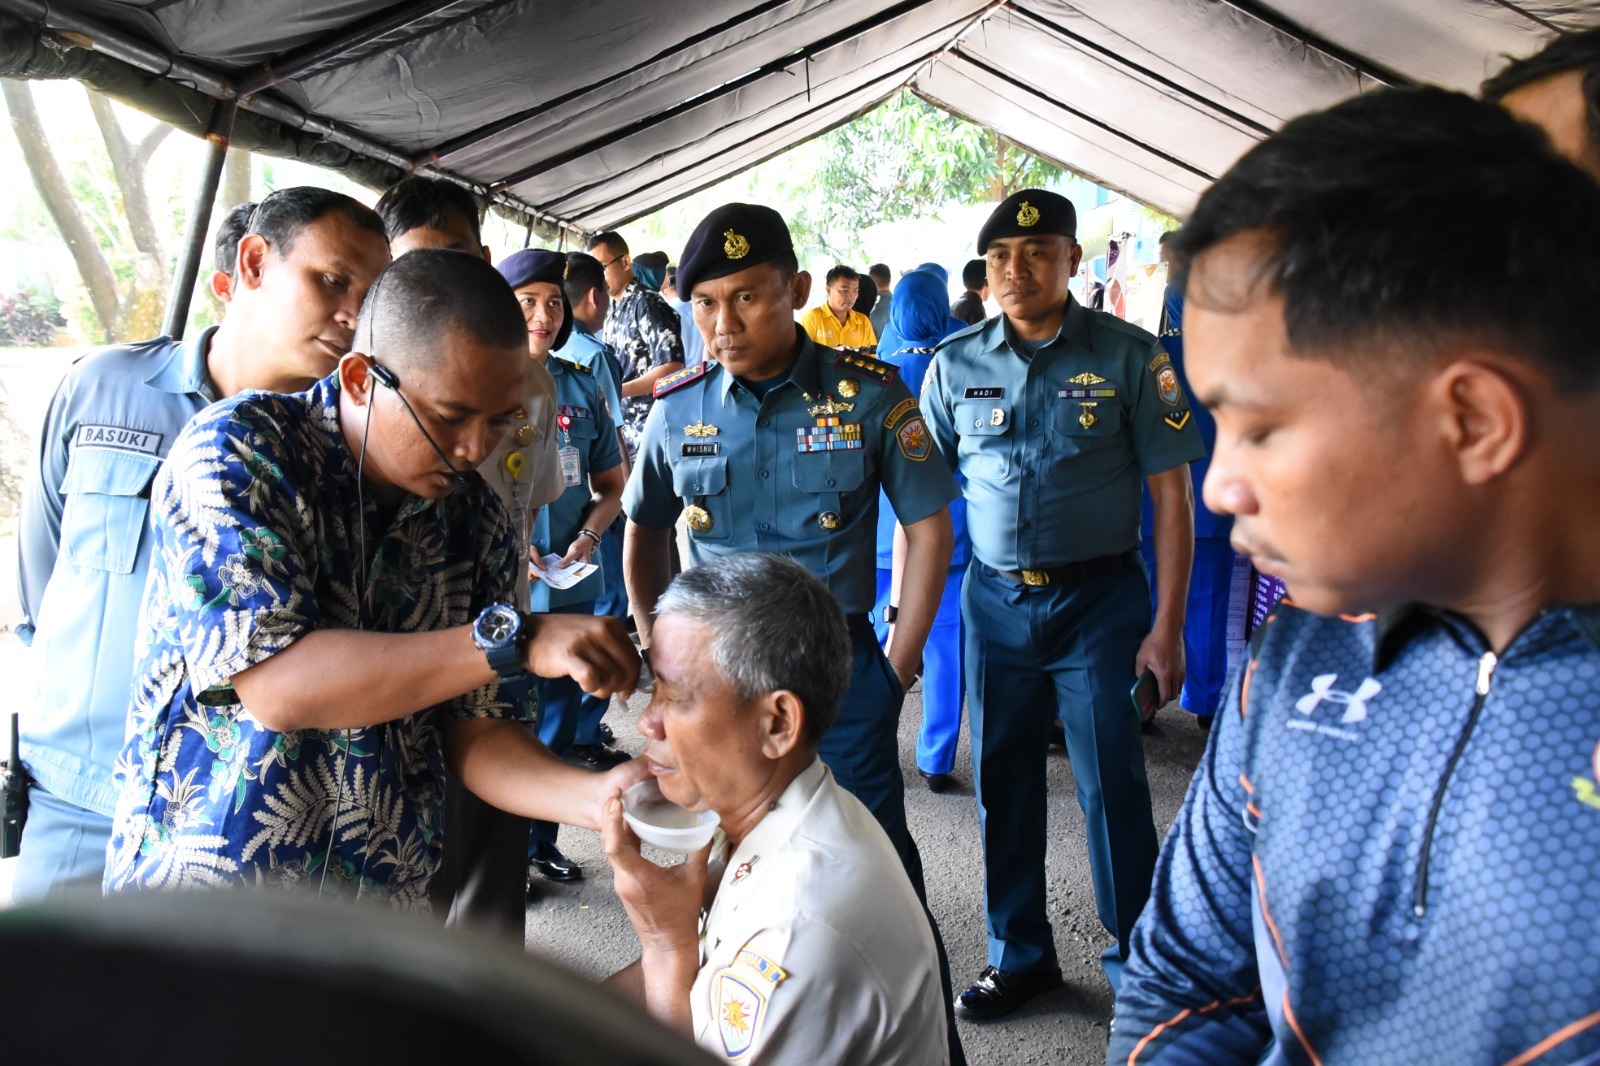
pixel 1083 570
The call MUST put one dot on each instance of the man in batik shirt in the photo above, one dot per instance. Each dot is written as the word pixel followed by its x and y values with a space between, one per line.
pixel 642 329
pixel 310 657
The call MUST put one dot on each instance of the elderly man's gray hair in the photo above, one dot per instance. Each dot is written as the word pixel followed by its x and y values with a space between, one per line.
pixel 774 627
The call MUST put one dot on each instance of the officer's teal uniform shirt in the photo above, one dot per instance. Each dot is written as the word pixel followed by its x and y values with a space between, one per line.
pixel 582 423
pixel 766 479
pixel 587 350
pixel 83 552
pixel 1055 444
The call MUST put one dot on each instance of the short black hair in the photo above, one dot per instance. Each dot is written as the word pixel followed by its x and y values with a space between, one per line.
pixel 433 291
pixel 880 273
pixel 611 239
pixel 842 272
pixel 281 215
pixel 1395 218
pixel 415 202
pixel 1579 51
pixel 975 275
pixel 225 245
pixel 1165 237
pixel 584 275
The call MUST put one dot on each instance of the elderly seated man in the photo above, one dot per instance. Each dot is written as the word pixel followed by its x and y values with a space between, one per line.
pixel 813 947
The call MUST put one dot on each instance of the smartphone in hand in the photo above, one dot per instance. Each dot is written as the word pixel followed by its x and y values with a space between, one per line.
pixel 1146 695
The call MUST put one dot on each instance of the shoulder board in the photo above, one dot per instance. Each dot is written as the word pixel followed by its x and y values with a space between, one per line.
pixel 678 380
pixel 867 367
pixel 568 363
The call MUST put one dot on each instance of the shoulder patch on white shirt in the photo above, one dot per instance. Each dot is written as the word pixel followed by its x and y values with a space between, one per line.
pixel 740 993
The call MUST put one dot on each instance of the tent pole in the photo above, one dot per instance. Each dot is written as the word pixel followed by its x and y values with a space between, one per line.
pixel 187 269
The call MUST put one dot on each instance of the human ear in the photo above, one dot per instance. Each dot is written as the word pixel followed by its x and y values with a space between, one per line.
pixel 785 719
pixel 355 377
pixel 800 289
pixel 1486 418
pixel 252 261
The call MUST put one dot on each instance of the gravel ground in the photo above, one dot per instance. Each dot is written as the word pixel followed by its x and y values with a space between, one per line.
pixel 582 925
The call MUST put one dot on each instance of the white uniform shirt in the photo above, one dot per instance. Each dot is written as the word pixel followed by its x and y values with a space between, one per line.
pixel 528 475
pixel 815 948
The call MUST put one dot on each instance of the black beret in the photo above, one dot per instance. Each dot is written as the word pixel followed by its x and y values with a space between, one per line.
pixel 1029 213
pixel 732 238
pixel 532 265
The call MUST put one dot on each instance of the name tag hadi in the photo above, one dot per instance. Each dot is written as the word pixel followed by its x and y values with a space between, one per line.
pixel 117 438
pixel 986 392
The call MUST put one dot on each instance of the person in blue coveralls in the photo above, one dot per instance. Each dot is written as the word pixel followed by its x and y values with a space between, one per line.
pixel 1205 627
pixel 919 322
pixel 573 525
pixel 299 275
pixel 1388 852
pixel 1055 416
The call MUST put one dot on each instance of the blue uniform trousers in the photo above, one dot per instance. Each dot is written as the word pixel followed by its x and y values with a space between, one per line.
pixel 613 602
pixel 1064 649
pixel 563 706
pixel 1205 625
pixel 943 677
pixel 63 849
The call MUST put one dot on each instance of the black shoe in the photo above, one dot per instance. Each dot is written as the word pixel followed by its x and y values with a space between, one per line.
pixel 596 756
pixel 938 782
pixel 1058 736
pixel 1205 721
pixel 607 737
pixel 550 864
pixel 998 992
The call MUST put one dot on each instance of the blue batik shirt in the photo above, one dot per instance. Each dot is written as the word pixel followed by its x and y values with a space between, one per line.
pixel 1387 855
pixel 256 544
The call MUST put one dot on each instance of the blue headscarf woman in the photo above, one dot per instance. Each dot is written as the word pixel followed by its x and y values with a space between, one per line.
pixel 919 319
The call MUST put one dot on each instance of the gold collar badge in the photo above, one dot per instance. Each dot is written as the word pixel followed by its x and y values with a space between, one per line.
pixel 1027 214
pixel 735 246
pixel 848 387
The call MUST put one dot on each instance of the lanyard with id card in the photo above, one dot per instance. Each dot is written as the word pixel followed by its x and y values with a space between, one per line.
pixel 571 468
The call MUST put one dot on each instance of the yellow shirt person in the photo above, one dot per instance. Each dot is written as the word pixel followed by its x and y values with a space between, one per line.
pixel 834 324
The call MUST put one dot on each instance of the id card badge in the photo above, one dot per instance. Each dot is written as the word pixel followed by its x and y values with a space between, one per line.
pixel 571 469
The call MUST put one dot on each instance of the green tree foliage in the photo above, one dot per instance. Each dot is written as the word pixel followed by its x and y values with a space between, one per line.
pixel 907 158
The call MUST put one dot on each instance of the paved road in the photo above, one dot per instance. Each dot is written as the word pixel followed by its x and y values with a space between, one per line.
pixel 583 927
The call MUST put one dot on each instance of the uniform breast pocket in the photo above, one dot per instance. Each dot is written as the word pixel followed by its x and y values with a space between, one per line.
pixel 703 483
pixel 107 503
pixel 838 472
pixel 985 430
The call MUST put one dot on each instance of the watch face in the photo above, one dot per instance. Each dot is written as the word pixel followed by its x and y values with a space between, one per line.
pixel 498 624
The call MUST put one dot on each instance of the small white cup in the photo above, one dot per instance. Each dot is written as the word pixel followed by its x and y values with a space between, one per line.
pixel 663 824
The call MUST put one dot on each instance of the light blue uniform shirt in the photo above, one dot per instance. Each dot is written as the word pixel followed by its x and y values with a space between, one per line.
pixel 773 475
pixel 581 423
pixel 587 350
pixel 694 345
pixel 84 550
pixel 1054 444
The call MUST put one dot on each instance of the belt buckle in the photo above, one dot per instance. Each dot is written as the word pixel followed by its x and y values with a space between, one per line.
pixel 1035 578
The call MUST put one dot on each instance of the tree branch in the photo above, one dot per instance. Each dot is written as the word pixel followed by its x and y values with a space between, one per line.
pixel 52 186
pixel 127 166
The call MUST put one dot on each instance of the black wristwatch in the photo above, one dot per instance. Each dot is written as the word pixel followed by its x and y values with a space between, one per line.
pixel 498 632
pixel 890 613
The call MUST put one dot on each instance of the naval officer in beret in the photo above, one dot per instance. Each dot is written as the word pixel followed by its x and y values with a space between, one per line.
pixel 1054 415
pixel 777 444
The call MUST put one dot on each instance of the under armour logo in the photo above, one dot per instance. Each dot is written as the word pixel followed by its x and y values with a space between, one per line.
pixel 1355 703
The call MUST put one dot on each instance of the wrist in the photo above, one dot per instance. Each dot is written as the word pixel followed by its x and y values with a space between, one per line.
pixel 591 534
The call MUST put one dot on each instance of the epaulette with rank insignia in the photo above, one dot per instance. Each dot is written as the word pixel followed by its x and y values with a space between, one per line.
pixel 867 367
pixel 678 380
pixel 579 367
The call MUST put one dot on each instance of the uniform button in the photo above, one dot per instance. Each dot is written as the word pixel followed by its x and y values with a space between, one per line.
pixel 763 473
pixel 764 423
pixel 1033 423
pixel 1028 472
pixel 977 423
pixel 1024 525
pixel 765 526
pixel 697 488
pixel 830 482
